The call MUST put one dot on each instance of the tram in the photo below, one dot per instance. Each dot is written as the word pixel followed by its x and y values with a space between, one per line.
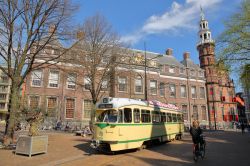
pixel 123 123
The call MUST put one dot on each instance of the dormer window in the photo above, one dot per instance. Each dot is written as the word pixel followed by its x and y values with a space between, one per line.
pixel 181 71
pixel 171 69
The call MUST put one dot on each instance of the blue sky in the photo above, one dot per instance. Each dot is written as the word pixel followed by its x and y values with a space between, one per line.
pixel 161 24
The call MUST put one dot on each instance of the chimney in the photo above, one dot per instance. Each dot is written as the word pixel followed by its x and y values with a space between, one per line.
pixel 186 55
pixel 169 51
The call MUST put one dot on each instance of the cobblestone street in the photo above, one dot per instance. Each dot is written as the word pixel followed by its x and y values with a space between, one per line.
pixel 223 148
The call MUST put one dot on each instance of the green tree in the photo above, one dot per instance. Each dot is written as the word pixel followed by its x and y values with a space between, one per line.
pixel 234 42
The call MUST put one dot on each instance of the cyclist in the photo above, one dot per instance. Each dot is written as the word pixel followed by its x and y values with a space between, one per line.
pixel 196 132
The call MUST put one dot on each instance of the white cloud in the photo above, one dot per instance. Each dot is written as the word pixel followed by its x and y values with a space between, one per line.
pixel 179 17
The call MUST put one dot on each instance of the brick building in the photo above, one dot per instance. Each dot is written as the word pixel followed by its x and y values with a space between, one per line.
pixel 55 90
pixel 220 88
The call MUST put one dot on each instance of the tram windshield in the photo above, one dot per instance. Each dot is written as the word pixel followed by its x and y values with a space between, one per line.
pixel 108 116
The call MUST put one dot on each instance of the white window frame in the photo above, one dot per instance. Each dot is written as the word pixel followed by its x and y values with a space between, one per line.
pixel 86 81
pixel 171 90
pixel 119 82
pixel 36 79
pixel 162 89
pixel 185 87
pixel 104 85
pixel 171 69
pixel 71 81
pixel 153 87
pixel 195 92
pixel 137 79
pixel 204 93
pixel 51 80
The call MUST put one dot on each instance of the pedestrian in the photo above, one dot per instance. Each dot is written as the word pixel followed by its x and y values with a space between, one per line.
pixel 242 125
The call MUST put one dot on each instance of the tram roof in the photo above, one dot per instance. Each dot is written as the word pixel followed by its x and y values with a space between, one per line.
pixel 121 102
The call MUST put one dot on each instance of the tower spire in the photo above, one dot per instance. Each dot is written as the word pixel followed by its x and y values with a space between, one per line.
pixel 202 13
pixel 205 35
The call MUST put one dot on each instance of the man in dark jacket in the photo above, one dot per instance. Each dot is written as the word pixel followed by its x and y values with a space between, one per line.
pixel 195 132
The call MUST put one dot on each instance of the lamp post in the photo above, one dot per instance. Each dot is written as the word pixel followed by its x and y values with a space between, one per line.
pixel 145 72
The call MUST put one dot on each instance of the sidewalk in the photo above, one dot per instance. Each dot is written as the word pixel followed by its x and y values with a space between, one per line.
pixel 62 147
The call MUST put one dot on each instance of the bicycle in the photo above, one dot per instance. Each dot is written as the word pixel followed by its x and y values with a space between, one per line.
pixel 199 149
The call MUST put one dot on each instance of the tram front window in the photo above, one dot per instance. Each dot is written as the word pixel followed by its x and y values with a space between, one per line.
pixel 108 116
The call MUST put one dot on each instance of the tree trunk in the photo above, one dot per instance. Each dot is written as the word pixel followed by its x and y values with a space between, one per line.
pixel 92 118
pixel 13 108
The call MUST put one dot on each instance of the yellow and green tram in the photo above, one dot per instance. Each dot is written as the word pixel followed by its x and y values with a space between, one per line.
pixel 122 123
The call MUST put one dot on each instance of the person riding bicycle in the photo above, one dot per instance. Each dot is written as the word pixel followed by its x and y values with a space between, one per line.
pixel 196 132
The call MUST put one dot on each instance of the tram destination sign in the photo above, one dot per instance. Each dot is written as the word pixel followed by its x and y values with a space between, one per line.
pixel 105 106
pixel 160 104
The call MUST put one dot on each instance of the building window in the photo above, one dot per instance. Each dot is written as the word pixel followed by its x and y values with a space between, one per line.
pixel 34 102
pixel 3 89
pixel 153 87
pixel 202 92
pixel 171 69
pixel 71 81
pixel 201 73
pixel 193 92
pixel 53 78
pixel 87 84
pixel 181 70
pixel 87 107
pixel 70 108
pixel 183 91
pixel 195 112
pixel 192 72
pixel 122 84
pixel 204 113
pixel 138 85
pixel 185 113
pixel 3 96
pixel 4 78
pixel 172 90
pixel 51 106
pixel 104 85
pixel 2 106
pixel 162 89
pixel 36 78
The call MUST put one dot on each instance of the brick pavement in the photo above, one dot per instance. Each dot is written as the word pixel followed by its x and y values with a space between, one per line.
pixel 62 147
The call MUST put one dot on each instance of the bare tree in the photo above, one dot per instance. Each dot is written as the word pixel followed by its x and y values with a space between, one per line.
pixel 27 27
pixel 97 55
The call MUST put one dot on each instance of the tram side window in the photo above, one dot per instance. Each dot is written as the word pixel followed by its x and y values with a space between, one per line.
pixel 174 117
pixel 155 117
pixel 127 115
pixel 136 115
pixel 179 118
pixel 145 116
pixel 120 116
pixel 169 117
pixel 163 117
